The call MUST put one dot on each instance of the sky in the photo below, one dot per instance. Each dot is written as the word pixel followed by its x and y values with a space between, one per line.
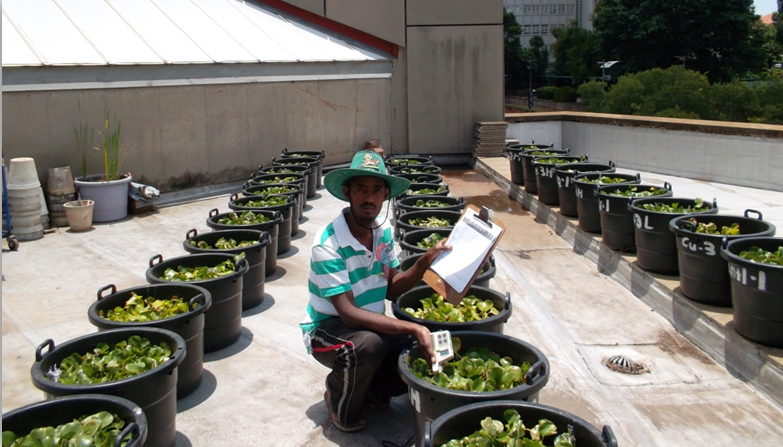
pixel 764 7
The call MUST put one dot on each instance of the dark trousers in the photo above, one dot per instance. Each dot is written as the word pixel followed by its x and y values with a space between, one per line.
pixel 361 362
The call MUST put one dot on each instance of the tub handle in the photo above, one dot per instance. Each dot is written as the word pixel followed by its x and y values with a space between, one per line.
pixel 260 167
pixel 724 243
pixel 638 177
pixel 105 288
pixel 422 179
pixel 686 224
pixel 285 150
pixel 427 434
pixel 191 233
pixel 159 257
pixel 245 186
pixel 607 435
pixel 234 196
pixel 585 157
pixel 274 159
pixel 132 427
pixel 507 302
pixel 567 150
pixel 536 373
pixel 278 214
pixel 39 355
pixel 214 212
pixel 611 163
pixel 667 185
pixel 714 203
pixel 242 263
pixel 758 213
pixel 199 299
pixel 265 238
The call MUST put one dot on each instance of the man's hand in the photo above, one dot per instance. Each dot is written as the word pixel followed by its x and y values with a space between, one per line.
pixel 425 343
pixel 435 251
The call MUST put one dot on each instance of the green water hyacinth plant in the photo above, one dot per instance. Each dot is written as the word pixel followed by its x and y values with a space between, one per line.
pixel 425 191
pixel 109 363
pixel 96 430
pixel 430 204
pixel 478 369
pixel 436 308
pixel 758 254
pixel 222 244
pixel 245 218
pixel 139 309
pixel 430 240
pixel 202 273
pixel 514 433
pixel 635 191
pixel 430 222
pixel 267 202
pixel 675 207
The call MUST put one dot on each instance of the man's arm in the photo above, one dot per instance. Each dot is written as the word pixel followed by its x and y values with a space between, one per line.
pixel 401 282
pixel 357 318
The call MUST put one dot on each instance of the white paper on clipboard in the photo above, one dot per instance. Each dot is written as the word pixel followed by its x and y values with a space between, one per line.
pixel 470 240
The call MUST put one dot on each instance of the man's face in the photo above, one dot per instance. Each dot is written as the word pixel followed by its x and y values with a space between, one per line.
pixel 366 195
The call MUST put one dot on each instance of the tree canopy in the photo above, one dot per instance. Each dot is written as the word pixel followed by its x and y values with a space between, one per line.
pixel 717 38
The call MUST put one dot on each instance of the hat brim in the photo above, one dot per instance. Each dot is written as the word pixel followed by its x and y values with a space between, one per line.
pixel 335 180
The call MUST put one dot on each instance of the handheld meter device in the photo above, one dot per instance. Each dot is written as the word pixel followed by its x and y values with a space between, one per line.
pixel 444 351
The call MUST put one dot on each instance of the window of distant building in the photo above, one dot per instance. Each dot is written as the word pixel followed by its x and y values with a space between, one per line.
pixel 561 8
pixel 535 29
pixel 536 10
pixel 570 8
pixel 544 29
pixel 553 9
pixel 526 10
pixel 526 29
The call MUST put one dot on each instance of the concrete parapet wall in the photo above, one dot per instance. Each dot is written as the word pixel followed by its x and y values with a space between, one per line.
pixel 190 136
pixel 735 153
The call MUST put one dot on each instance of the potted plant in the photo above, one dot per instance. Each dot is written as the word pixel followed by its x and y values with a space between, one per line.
pixel 109 190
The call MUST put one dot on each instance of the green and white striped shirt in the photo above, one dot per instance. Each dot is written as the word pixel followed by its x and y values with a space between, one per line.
pixel 339 263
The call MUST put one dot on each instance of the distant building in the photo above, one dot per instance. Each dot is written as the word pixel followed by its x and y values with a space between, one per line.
pixel 540 17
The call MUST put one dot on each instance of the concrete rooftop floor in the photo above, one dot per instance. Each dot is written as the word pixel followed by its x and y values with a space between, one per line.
pixel 572 300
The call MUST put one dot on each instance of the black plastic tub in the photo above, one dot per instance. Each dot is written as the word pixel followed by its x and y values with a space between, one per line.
pixel 286 210
pixel 566 190
pixel 255 278
pixel 413 169
pixel 412 298
pixel 407 160
pixel 319 155
pixel 704 274
pixel 403 225
pixel 515 159
pixel 656 245
pixel 312 175
pixel 189 325
pixel 587 202
pixel 264 190
pixel 62 410
pixel 466 420
pixel 408 204
pixel 409 240
pixel 271 226
pixel 525 159
pixel 546 181
pixel 154 391
pixel 617 227
pixel 223 321
pixel 286 170
pixel 422 178
pixel 429 401
pixel 482 280
pixel 756 291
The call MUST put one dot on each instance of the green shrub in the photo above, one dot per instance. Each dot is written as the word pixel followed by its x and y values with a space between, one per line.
pixel 734 101
pixel 592 94
pixel 565 94
pixel 770 95
pixel 547 92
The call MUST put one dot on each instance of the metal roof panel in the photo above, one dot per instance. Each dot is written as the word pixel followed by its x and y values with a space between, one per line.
pixel 108 32
pixel 15 49
pixel 54 36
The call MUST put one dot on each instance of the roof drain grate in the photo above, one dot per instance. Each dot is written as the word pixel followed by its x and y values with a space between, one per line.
pixel 622 364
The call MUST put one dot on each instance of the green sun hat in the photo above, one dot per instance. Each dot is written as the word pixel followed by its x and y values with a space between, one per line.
pixel 364 163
